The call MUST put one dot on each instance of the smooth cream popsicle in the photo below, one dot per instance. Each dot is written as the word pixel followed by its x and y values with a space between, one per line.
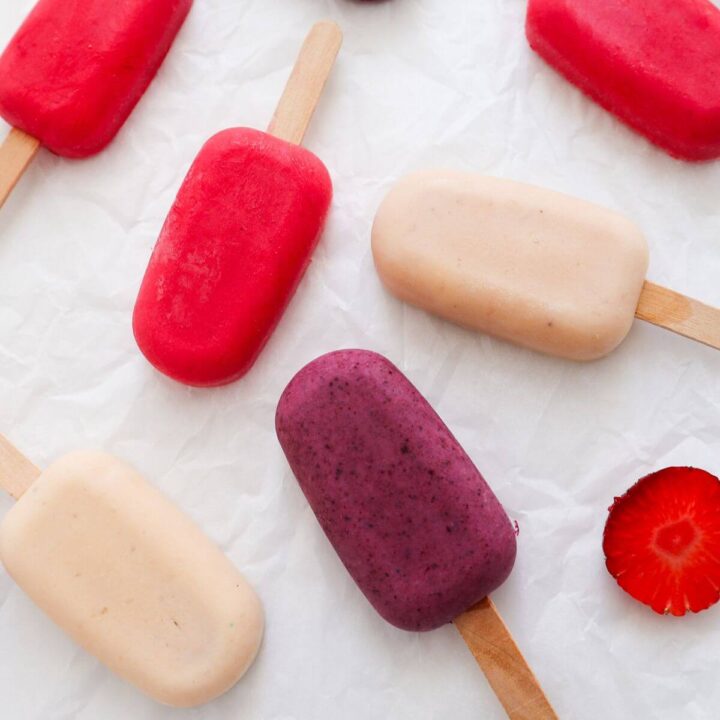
pixel 541 269
pixel 414 522
pixel 128 576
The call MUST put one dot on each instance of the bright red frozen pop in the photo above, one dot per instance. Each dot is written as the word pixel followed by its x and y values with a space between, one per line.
pixel 239 237
pixel 653 63
pixel 74 72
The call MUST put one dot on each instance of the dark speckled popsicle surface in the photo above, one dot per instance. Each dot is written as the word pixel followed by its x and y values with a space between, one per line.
pixel 410 516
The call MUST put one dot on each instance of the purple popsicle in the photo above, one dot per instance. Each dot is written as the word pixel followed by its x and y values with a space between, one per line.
pixel 410 516
pixel 412 519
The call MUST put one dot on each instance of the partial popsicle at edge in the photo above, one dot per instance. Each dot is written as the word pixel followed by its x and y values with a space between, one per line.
pixel 238 237
pixel 128 576
pixel 655 64
pixel 411 518
pixel 73 73
pixel 525 264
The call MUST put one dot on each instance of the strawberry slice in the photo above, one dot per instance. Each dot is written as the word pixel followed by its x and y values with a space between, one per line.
pixel 662 540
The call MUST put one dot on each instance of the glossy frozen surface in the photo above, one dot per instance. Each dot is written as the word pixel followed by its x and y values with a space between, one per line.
pixel 410 516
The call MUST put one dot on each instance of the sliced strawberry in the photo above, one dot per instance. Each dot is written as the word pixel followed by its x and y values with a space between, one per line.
pixel 662 540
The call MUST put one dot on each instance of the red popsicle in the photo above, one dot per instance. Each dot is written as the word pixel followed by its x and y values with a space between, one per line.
pixel 653 63
pixel 74 72
pixel 238 237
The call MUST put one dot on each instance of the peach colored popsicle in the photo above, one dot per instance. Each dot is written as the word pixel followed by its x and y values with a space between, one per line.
pixel 128 576
pixel 532 266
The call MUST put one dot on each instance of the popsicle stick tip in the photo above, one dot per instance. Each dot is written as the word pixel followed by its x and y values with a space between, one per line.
pixel 330 27
pixel 17 473
pixel 16 152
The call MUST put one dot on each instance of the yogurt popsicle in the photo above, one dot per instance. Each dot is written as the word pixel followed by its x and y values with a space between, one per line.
pixel 128 576
pixel 412 519
pixel 239 237
pixel 653 63
pixel 74 71
pixel 525 264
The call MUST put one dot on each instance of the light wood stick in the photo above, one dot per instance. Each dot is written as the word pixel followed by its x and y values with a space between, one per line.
pixel 304 88
pixel 16 153
pixel 500 659
pixel 678 313
pixel 17 473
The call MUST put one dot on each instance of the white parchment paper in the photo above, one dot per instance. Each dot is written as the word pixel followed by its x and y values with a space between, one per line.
pixel 419 83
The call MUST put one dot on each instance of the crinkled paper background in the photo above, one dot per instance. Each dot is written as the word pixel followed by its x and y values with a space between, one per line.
pixel 419 83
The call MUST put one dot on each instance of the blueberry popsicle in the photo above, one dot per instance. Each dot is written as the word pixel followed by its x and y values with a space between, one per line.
pixel 412 519
pixel 543 270
pixel 74 71
pixel 239 237
pixel 653 63
pixel 128 576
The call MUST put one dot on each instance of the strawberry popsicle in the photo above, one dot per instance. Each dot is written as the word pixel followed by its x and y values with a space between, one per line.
pixel 653 63
pixel 128 576
pixel 412 519
pixel 74 71
pixel 525 264
pixel 239 237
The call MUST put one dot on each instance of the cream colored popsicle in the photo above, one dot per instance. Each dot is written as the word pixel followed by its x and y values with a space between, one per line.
pixel 541 269
pixel 128 576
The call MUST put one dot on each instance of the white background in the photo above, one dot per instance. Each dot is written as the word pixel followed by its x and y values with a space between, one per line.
pixel 419 83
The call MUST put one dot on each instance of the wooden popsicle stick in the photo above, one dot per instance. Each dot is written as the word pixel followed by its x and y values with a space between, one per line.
pixel 17 473
pixel 680 314
pixel 500 659
pixel 16 153
pixel 304 88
